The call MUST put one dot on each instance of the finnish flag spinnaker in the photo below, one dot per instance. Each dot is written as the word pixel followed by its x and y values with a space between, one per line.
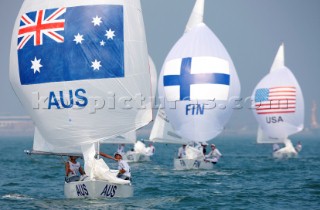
pixel 198 82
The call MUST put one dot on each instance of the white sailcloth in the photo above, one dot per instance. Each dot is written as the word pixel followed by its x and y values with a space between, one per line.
pixel 263 138
pixel 42 146
pixel 82 77
pixel 127 138
pixel 154 79
pixel 279 104
pixel 196 16
pixel 163 132
pixel 198 82
pixel 131 137
pixel 97 169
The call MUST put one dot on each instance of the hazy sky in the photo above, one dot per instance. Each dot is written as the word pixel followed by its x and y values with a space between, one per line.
pixel 251 31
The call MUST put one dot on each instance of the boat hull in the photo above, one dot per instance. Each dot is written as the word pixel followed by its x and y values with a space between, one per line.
pixel 280 154
pixel 190 164
pixel 286 152
pixel 97 189
pixel 135 157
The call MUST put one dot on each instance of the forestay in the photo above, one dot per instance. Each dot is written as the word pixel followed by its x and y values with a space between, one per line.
pixel 198 82
pixel 80 69
pixel 278 102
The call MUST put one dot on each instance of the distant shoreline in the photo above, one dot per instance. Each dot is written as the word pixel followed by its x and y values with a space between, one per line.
pixel 16 126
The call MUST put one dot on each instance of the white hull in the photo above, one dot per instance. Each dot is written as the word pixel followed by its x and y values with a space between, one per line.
pixel 189 164
pixel 286 152
pixel 135 157
pixel 97 189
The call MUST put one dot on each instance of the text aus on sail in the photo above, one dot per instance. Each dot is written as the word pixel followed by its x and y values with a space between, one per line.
pixel 80 99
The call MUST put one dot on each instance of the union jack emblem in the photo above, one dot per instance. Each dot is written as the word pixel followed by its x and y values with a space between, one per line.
pixel 36 24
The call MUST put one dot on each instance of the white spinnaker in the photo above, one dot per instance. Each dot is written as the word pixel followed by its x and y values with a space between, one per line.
pixel 163 132
pixel 283 116
pixel 108 112
pixel 131 137
pixel 196 16
pixel 279 60
pixel 200 43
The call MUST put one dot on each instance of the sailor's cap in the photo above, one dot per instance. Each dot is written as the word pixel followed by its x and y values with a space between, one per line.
pixel 117 154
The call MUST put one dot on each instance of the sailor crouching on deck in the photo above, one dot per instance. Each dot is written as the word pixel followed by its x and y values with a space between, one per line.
pixel 123 166
pixel 73 168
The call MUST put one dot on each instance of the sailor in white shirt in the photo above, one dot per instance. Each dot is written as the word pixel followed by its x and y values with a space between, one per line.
pixel 214 155
pixel 182 151
pixel 123 166
pixel 73 169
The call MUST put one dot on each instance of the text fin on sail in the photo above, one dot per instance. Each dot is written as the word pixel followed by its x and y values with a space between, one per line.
pixel 279 59
pixel 196 15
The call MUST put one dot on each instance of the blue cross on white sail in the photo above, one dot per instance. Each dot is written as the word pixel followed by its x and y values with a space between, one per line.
pixel 198 82
pixel 197 78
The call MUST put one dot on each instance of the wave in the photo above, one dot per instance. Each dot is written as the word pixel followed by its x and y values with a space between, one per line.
pixel 16 197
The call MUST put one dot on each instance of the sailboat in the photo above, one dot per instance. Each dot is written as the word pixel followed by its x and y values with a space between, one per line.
pixel 138 153
pixel 163 132
pixel 279 107
pixel 80 69
pixel 198 82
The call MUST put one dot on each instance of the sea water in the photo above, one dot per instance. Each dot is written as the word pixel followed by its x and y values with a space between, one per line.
pixel 246 177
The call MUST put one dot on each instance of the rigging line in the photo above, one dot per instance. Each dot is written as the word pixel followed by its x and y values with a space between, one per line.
pixel 64 162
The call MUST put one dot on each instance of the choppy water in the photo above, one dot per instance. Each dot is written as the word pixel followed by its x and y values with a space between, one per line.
pixel 247 177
